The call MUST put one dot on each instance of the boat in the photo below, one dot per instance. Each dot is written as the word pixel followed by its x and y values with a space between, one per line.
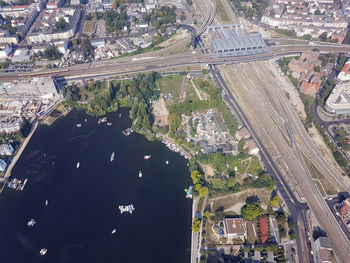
pixel 85 120
pixel 112 156
pixel 140 174
pixel 43 251
pixel 78 125
pixel 21 187
pixel 109 123
pixel 189 192
pixel 31 222
pixel 78 164
pixel 127 131
pixel 120 115
pixel 146 157
pixel 113 231
pixel 46 202
pixel 166 162
pixel 17 184
pixel 126 208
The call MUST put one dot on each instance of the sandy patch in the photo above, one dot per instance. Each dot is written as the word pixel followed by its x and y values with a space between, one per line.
pixel 160 112
pixel 182 34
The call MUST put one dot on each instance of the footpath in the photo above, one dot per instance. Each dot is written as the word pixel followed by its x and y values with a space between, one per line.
pixel 19 153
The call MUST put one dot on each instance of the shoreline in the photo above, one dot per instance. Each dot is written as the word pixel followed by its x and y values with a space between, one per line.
pixel 19 153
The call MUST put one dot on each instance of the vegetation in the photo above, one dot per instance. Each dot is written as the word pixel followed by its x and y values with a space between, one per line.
pixel 116 20
pixel 52 53
pixel 286 32
pixel 257 9
pixel 86 48
pixel 275 201
pixel 196 225
pixel 61 25
pixel 7 25
pixel 161 16
pixel 252 209
pixel 26 126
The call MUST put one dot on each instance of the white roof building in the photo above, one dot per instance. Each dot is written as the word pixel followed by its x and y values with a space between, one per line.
pixel 3 165
pixel 6 149
pixel 338 101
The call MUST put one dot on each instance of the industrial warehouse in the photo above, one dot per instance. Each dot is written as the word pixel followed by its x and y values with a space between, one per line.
pixel 232 41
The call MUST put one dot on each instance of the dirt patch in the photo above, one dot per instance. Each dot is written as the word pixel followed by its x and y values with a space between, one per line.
pixel 252 231
pixel 209 171
pixel 182 34
pixel 160 112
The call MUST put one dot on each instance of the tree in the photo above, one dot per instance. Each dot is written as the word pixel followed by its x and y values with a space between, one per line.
pixel 275 201
pixel 231 182
pixel 195 176
pixel 86 48
pixel 52 53
pixel 206 214
pixel 174 121
pixel 251 211
pixel 202 190
pixel 61 25
pixel 317 69
pixel 182 17
pixel 196 225
pixel 253 199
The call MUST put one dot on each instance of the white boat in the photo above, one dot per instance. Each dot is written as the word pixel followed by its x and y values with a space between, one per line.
pixel 112 156
pixel 31 222
pixel 78 164
pixel 120 115
pixel 140 174
pixel 85 120
pixel 146 157
pixel 43 251
pixel 113 231
pixel 126 208
pixel 78 125
pixel 167 162
pixel 109 123
pixel 46 202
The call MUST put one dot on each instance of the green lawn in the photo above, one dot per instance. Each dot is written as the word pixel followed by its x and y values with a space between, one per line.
pixel 171 85
pixel 255 167
pixel 191 93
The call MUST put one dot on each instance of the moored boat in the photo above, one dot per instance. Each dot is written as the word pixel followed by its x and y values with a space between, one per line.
pixel 140 174
pixel 113 231
pixel 43 251
pixel 112 156
pixel 146 157
pixel 78 164
pixel 78 125
pixel 126 208
pixel 31 222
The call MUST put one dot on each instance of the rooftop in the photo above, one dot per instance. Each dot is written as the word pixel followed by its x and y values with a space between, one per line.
pixel 235 226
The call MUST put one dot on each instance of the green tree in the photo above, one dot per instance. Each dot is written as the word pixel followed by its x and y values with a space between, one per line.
pixel 52 53
pixel 174 121
pixel 61 25
pixel 196 225
pixel 275 201
pixel 251 211
pixel 202 190
pixel 207 214
pixel 231 182
pixel 86 48
pixel 195 176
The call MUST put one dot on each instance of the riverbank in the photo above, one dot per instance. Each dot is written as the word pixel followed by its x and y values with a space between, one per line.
pixel 18 154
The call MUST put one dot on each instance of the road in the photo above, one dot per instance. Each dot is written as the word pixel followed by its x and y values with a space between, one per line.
pixel 269 109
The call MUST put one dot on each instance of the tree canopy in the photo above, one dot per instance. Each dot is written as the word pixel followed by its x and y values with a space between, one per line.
pixel 251 211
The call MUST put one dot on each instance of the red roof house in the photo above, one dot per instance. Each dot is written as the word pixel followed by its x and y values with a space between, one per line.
pixel 264 230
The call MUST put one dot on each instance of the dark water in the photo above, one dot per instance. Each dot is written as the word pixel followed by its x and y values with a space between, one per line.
pixel 76 225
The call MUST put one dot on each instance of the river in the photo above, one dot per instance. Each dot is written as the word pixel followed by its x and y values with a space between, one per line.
pixel 82 203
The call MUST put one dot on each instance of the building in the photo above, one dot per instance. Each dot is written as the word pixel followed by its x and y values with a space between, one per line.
pixel 264 230
pixel 6 149
pixel 3 165
pixel 251 145
pixel 21 55
pixel 52 4
pixel 235 228
pixel 323 248
pixel 150 4
pixel 6 37
pixel 98 42
pixel 38 88
pixel 231 41
pixel 344 74
pixel 344 210
pixel 338 101
pixel 304 64
pixel 44 30
pixel 310 88
pixel 5 50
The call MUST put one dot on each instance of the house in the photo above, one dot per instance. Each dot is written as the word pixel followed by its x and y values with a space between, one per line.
pixel 6 149
pixel 235 228
pixel 304 64
pixel 242 133
pixel 264 230
pixel 344 210
pixel 98 42
pixel 3 165
pixel 310 88
pixel 21 55
pixel 250 144
pixel 344 74
pixel 323 248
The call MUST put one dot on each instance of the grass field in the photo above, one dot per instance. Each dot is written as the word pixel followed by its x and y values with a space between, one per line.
pixel 89 26
pixel 171 85
pixel 191 93
pixel 220 9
